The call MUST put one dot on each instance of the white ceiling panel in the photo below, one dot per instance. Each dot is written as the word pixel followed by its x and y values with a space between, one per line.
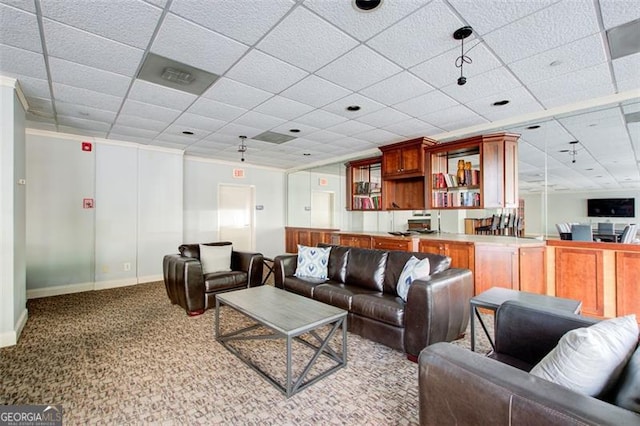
pixel 350 128
pixel 323 136
pixel 155 94
pixel 198 124
pixel 43 106
pixel 35 87
pixel 421 105
pixel 237 94
pixel 483 85
pixel 285 128
pixel 17 62
pixel 413 128
pixel 258 69
pixel 306 41
pixel 366 105
pixel 259 120
pixel 520 102
pixel 21 4
pixel 320 119
pixel 359 68
pixel 129 138
pixel 383 117
pixel 397 88
pixel 174 134
pixel 279 106
pixel 217 110
pixel 580 54
pixel 617 12
pixel 88 49
pixel 77 130
pixel 131 22
pixel 83 124
pixel 245 21
pixel 315 91
pixel 95 114
pixel 77 75
pixel 441 70
pixel 558 24
pixel 238 130
pixel 422 35
pixel 185 42
pixel 140 123
pixel 378 137
pixel 627 72
pixel 76 95
pixel 447 118
pixel 140 109
pixel 357 144
pixel 360 24
pixel 16 29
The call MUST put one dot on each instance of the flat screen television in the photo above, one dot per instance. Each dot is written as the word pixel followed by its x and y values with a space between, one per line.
pixel 611 207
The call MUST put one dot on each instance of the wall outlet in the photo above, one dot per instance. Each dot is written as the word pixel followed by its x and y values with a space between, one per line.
pixel 126 266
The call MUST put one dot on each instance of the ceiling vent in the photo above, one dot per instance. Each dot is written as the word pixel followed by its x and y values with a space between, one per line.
pixel 169 73
pixel 273 137
pixel 632 117
pixel 623 39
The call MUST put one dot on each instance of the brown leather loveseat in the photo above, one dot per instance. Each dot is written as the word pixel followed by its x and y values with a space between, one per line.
pixel 461 387
pixel 363 282
pixel 188 287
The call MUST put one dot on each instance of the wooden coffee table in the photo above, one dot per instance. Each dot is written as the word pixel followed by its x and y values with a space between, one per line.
pixel 496 296
pixel 287 316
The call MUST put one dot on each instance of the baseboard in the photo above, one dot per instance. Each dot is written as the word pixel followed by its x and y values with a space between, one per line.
pixel 58 290
pixel 104 285
pixel 10 338
pixel 150 279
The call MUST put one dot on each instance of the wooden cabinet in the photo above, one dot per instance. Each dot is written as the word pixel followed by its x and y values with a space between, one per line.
pixel 628 290
pixel 306 237
pixel 579 275
pixel 489 178
pixel 461 253
pixel 364 184
pixel 393 243
pixel 355 240
pixel 496 266
pixel 533 269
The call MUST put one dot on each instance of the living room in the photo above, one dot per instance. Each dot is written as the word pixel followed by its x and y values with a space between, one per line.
pixel 83 210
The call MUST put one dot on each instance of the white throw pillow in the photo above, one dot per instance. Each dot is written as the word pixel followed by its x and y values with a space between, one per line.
pixel 313 262
pixel 413 270
pixel 589 360
pixel 215 258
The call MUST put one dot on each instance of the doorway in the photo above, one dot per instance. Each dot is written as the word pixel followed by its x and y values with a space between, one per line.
pixel 322 209
pixel 236 222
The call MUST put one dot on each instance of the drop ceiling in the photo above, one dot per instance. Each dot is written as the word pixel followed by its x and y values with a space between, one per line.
pixel 283 65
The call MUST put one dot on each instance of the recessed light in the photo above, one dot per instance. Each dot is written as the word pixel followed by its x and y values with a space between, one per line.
pixel 564 150
pixel 555 63
pixel 501 103
pixel 306 154
pixel 573 142
pixel 187 132
pixel 589 169
pixel 593 124
pixel 535 126
pixel 353 108
pixel 366 5
pixel 83 113
pixel 294 130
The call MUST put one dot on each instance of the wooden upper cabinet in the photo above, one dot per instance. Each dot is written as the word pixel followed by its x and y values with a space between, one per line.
pixel 404 159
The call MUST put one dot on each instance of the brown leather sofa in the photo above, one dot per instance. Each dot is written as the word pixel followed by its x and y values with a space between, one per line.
pixel 461 387
pixel 188 287
pixel 363 282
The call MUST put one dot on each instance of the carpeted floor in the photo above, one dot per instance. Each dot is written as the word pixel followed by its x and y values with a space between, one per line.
pixel 127 356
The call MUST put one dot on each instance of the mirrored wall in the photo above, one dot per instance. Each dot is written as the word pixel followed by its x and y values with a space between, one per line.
pixel 563 161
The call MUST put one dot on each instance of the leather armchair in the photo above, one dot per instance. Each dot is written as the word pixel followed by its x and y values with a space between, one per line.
pixel 188 287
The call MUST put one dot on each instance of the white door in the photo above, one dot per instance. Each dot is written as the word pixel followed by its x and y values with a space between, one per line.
pixel 236 205
pixel 322 209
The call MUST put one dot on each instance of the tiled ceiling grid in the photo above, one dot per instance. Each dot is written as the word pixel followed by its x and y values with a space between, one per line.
pixel 287 64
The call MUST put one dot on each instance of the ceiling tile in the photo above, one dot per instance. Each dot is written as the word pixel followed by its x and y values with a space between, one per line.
pixel 356 144
pixel 191 44
pixel 217 110
pixel 397 88
pixel 379 137
pixel 553 26
pixel 17 62
pixel 128 138
pixel 442 71
pixel 77 75
pixel 315 91
pixel 285 128
pixel 77 130
pixel 306 41
pixel 520 102
pixel 360 24
pixel 81 123
pixel 485 16
pixel 29 6
pixel 434 22
pixel 85 112
pixel 198 124
pixel 159 3
pixel 282 107
pixel 41 106
pixel 452 118
pixel 383 117
pixel 265 72
pixel 350 128
pixel 16 29
pixel 245 21
pixel 75 95
pixel 617 12
pixel 323 136
pixel 627 72
pixel 359 68
pixel 366 105
pixel 259 120
pixel 140 109
pixel 421 105
pixel 130 22
pixel 35 87
pixel 483 85
pixel 238 94
pixel 413 128
pixel 88 49
pixel 583 53
pixel 140 123
pixel 238 130
pixel 320 119
pixel 173 133
pixel 155 94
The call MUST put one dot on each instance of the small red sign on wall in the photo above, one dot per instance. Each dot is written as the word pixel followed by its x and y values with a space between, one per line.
pixel 87 203
pixel 86 146
pixel 323 182
pixel 238 173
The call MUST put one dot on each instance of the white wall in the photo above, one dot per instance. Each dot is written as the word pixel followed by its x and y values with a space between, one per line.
pixel 201 179
pixel 13 313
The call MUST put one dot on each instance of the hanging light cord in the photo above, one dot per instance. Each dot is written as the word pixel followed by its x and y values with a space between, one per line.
pixel 463 59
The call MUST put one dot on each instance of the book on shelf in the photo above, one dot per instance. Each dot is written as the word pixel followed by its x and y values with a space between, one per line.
pixel 365 187
pixel 366 202
pixel 456 199
pixel 447 180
